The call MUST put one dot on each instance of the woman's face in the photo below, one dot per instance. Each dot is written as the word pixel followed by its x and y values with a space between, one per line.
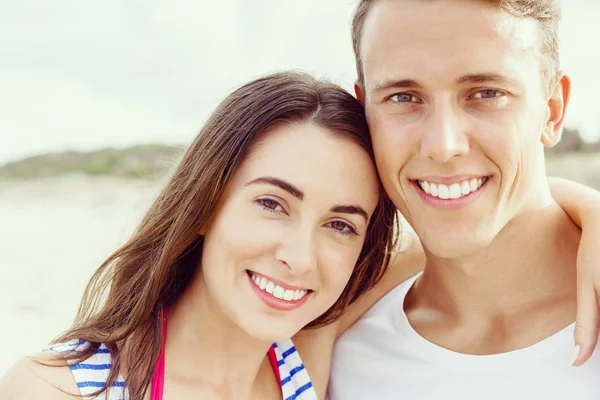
pixel 290 228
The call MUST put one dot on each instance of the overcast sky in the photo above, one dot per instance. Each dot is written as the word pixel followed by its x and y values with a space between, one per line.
pixel 80 75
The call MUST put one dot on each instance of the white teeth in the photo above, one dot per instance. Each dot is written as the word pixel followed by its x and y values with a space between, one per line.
pixel 443 191
pixel 277 291
pixel 453 191
pixel 434 190
pixel 288 295
pixel 270 287
pixel 473 186
pixel 465 188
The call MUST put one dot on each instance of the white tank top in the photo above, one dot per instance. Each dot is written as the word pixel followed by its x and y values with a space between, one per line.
pixel 92 374
pixel 383 357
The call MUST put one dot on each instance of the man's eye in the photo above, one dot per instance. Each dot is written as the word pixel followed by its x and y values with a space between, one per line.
pixel 405 98
pixel 486 94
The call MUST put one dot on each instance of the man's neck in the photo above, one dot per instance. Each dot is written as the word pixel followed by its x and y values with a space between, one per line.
pixel 529 270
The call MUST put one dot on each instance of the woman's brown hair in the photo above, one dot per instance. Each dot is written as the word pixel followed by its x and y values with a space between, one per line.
pixel 123 302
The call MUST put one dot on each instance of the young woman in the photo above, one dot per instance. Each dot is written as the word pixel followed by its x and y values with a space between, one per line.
pixel 273 221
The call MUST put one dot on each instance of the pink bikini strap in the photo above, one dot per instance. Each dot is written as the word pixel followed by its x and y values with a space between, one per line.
pixel 274 363
pixel 158 379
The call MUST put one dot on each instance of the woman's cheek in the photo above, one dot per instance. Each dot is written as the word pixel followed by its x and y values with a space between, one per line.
pixel 336 273
pixel 246 230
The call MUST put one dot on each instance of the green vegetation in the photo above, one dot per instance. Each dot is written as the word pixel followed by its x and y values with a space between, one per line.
pixel 572 158
pixel 144 161
pixel 575 159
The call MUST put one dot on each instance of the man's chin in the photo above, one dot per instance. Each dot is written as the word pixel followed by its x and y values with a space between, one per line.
pixel 456 246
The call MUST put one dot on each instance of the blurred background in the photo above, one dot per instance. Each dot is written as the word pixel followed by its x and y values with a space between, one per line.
pixel 98 99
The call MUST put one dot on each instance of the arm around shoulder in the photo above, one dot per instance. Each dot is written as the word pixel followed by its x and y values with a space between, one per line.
pixel 316 345
pixel 404 265
pixel 29 380
pixel 316 349
pixel 580 202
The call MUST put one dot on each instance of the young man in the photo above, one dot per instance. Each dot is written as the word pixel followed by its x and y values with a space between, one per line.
pixel 461 98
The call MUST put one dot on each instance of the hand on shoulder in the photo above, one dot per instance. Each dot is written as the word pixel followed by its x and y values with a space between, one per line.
pixel 30 379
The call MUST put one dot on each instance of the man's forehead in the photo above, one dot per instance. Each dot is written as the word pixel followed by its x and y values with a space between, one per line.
pixel 466 37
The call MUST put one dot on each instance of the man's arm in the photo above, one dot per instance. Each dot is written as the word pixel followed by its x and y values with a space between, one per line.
pixel 582 204
pixel 316 345
pixel 404 265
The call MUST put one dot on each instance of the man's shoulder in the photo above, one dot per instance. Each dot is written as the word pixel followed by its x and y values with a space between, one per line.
pixel 393 300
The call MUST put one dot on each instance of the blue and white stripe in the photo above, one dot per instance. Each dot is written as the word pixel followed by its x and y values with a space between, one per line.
pixel 295 382
pixel 92 373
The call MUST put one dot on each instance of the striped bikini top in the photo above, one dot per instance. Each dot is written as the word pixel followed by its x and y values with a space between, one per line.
pixel 92 374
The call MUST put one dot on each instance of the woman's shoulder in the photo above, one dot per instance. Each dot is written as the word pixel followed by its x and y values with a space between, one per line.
pixel 40 376
pixel 59 373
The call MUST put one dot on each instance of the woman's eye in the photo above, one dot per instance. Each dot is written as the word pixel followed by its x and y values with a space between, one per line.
pixel 405 98
pixel 486 94
pixel 270 205
pixel 342 228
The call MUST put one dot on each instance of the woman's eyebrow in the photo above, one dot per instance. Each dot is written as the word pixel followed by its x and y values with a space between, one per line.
pixel 350 209
pixel 280 183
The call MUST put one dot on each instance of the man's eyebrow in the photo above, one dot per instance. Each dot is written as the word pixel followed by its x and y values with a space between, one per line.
pixel 469 78
pixel 280 183
pixel 348 209
pixel 396 84
pixel 485 77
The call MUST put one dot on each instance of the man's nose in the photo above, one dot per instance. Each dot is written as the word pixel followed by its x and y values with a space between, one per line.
pixel 444 137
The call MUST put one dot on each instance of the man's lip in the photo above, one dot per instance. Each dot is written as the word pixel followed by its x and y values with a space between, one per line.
pixel 278 282
pixel 448 180
pixel 449 204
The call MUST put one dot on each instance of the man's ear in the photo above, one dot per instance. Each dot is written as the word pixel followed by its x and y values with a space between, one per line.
pixel 359 93
pixel 557 108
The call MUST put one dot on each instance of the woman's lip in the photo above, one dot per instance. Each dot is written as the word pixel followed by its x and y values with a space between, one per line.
pixel 276 303
pixel 277 282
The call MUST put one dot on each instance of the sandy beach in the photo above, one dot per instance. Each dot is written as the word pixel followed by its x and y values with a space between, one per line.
pixel 53 234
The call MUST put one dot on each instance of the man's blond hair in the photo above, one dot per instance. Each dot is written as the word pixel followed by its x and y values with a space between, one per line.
pixel 545 12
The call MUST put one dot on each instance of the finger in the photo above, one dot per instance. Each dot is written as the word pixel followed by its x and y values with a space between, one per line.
pixel 587 324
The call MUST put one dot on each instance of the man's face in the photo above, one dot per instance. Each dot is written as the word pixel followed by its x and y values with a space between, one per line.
pixel 458 113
